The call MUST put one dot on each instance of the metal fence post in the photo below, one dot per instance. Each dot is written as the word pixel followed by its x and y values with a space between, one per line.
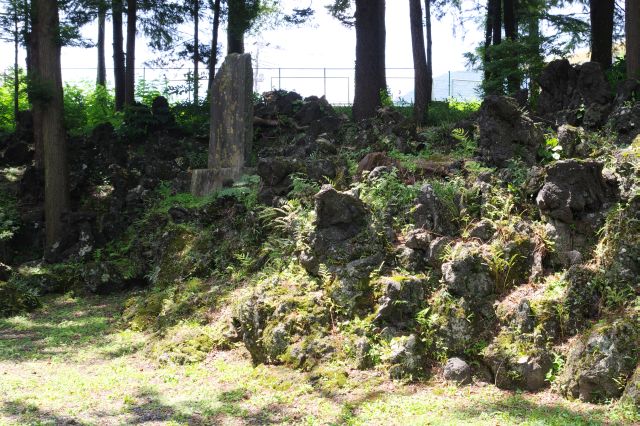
pixel 279 79
pixel 450 92
pixel 324 79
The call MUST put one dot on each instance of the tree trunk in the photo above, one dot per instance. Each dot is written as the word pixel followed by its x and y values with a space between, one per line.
pixel 50 121
pixel 32 66
pixel 16 73
pixel 118 53
pixel 235 26
pixel 214 44
pixel 101 78
pixel 370 75
pixel 632 29
pixel 130 69
pixel 496 20
pixel 488 38
pixel 511 32
pixel 427 13
pixel 601 12
pixel 196 51
pixel 421 100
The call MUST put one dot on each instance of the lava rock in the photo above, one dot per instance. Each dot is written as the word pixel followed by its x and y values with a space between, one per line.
pixel 598 358
pixel 457 370
pixel 403 298
pixel 573 189
pixel 506 132
pixel 468 275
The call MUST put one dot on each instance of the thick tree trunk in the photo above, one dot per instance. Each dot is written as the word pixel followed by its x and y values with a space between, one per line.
pixel 50 121
pixel 32 66
pixel 511 32
pixel 370 75
pixel 235 26
pixel 214 44
pixel 16 73
pixel 101 78
pixel 118 53
pixel 130 70
pixel 632 29
pixel 601 12
pixel 196 51
pixel 421 100
pixel 497 23
pixel 427 13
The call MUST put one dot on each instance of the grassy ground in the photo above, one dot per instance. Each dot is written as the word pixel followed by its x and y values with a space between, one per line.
pixel 71 363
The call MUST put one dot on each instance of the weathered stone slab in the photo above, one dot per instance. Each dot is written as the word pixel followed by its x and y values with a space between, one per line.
pixel 231 134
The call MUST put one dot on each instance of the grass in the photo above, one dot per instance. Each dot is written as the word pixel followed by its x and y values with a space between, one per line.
pixel 72 363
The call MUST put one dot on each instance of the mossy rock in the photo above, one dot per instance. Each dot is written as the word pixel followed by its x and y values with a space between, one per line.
pixel 452 329
pixel 631 393
pixel 280 314
pixel 601 359
pixel 15 300
pixel 517 361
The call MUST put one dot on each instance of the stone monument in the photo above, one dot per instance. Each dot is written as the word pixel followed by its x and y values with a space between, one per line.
pixel 231 133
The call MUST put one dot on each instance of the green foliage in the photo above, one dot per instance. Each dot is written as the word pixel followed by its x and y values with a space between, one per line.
pixel 86 106
pixel 617 73
pixel 192 118
pixel 7 119
pixel 552 150
pixel 9 216
pixel 451 111
pixel 386 100
pixel 388 195
pixel 16 299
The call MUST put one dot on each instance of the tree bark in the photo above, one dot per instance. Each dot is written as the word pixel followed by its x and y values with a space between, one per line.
pixel 50 121
pixel 511 32
pixel 235 26
pixel 130 69
pixel 118 53
pixel 370 73
pixel 421 100
pixel 497 23
pixel 101 78
pixel 196 51
pixel 32 66
pixel 427 12
pixel 601 12
pixel 214 44
pixel 632 30
pixel 16 73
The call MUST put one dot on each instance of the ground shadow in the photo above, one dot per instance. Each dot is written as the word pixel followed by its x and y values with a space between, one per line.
pixel 24 413
pixel 63 328
pixel 516 408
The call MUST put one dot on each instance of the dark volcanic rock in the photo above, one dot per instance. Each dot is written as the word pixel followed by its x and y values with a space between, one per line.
pixel 432 214
pixel 335 208
pixel 599 358
pixel 567 89
pixel 403 298
pixel 457 370
pixel 573 189
pixel 468 275
pixel 506 132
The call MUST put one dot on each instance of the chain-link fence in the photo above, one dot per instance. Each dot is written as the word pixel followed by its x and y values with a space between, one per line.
pixel 336 84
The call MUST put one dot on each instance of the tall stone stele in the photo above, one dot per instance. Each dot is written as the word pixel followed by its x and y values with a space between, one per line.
pixel 231 133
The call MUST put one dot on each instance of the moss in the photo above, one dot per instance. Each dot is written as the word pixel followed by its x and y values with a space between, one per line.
pixel 601 359
pixel 186 343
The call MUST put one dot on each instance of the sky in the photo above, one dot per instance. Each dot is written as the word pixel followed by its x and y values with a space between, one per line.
pixel 322 43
